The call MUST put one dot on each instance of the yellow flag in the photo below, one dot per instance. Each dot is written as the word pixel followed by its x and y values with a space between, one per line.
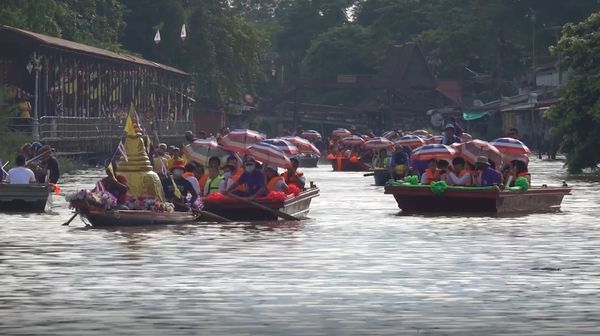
pixel 130 122
pixel 176 191
pixel 110 170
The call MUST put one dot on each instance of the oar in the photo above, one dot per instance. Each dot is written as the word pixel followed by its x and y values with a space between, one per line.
pixel 369 174
pixel 258 205
pixel 37 156
pixel 71 219
pixel 211 217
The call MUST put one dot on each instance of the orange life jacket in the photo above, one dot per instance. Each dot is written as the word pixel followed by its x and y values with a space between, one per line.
pixel 463 173
pixel 202 181
pixel 431 176
pixel 273 182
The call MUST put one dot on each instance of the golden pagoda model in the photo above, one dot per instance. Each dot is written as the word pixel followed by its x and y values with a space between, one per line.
pixel 136 167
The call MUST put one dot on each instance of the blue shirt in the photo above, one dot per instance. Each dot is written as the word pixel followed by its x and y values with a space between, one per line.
pixel 253 181
pixel 490 177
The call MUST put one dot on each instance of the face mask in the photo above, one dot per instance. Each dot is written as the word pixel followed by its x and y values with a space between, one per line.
pixel 250 168
pixel 227 175
pixel 178 172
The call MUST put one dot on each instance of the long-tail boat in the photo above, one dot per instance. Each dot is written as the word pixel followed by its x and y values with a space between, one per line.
pixel 24 198
pixel 345 164
pixel 424 199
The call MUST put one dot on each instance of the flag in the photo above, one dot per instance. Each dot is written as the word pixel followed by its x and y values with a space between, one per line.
pixel 121 149
pixel 176 190
pixel 129 123
pixel 183 32
pixel 100 186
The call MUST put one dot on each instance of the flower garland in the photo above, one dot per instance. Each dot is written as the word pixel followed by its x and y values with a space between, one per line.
pixel 149 203
pixel 99 199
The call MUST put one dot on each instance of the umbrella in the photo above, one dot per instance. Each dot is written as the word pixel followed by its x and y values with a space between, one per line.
pixel 240 140
pixel 390 134
pixel 466 137
pixel 202 150
pixel 508 157
pixel 303 145
pixel 286 147
pixel 436 139
pixel 421 133
pixel 353 140
pixel 269 154
pixel 379 143
pixel 473 149
pixel 310 134
pixel 511 146
pixel 341 132
pixel 411 141
pixel 437 151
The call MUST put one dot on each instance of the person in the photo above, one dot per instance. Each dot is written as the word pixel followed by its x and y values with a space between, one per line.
pixel 442 170
pixel 228 179
pixel 487 176
pixel 115 184
pixel 450 136
pixel 399 163
pixel 189 137
pixel 431 173
pixel 274 181
pixel 190 175
pixel 459 176
pixel 513 133
pixel 20 174
pixel 48 170
pixel 518 169
pixel 214 178
pixel 177 156
pixel 458 130
pixel 253 180
pixel 160 161
pixel 25 151
pixel 182 184
pixel 294 176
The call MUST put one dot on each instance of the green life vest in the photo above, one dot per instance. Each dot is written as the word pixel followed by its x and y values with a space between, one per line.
pixel 212 185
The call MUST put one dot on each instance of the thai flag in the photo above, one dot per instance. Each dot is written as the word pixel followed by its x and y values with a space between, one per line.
pixel 100 186
pixel 121 149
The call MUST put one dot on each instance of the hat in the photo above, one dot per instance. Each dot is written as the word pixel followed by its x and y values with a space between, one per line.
pixel 483 160
pixel 178 165
pixel 449 126
pixel 162 145
pixel 36 145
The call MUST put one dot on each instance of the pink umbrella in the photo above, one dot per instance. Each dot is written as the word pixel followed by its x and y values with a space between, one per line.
pixel 202 150
pixel 240 140
pixel 378 143
pixel 466 137
pixel 269 154
pixel 411 141
pixel 340 133
pixel 437 151
pixel 303 145
pixel 511 146
pixel 310 134
pixel 286 147
pixel 352 140
pixel 475 148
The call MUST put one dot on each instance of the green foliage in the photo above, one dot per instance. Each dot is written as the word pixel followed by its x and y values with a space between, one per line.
pixel 578 111
pixel 412 180
pixel 522 183
pixel 438 187
pixel 11 141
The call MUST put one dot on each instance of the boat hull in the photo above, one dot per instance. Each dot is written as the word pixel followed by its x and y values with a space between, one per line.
pixel 28 198
pixel 298 206
pixel 494 201
pixel 101 218
pixel 308 162
pixel 381 177
pixel 345 165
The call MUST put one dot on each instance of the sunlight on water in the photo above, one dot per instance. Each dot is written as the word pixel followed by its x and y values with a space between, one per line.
pixel 354 268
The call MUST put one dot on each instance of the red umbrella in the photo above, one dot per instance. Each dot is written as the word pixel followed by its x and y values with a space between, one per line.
pixel 305 146
pixel 340 133
pixel 202 150
pixel 378 143
pixel 437 151
pixel 269 154
pixel 353 140
pixel 310 134
pixel 511 146
pixel 287 147
pixel 475 148
pixel 240 140
pixel 421 133
pixel 411 141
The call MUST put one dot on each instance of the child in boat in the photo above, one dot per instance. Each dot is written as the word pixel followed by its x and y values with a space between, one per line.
pixel 459 176
pixel 431 173
pixel 487 176
pixel 274 181
pixel 293 175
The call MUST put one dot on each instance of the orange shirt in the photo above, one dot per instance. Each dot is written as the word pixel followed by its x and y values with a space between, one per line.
pixel 273 183
pixel 202 181
pixel 432 176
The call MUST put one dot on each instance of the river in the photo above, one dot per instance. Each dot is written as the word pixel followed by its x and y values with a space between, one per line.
pixel 354 268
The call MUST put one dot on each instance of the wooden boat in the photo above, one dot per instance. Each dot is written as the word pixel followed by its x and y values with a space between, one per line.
pixel 244 212
pixel 381 176
pixel 30 198
pixel 110 218
pixel 344 164
pixel 421 199
pixel 308 161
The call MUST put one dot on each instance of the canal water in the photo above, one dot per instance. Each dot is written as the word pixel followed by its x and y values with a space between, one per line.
pixel 354 268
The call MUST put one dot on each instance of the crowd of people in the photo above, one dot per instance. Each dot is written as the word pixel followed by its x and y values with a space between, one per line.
pixel 34 164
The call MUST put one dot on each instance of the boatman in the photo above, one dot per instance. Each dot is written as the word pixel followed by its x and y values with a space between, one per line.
pixel 294 176
pixel 48 170
pixel 20 174
pixel 450 136
pixel 253 180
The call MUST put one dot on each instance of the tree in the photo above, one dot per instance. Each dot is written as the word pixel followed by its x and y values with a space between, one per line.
pixel 578 111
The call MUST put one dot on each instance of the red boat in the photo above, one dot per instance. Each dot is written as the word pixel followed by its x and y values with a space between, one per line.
pixel 235 210
pixel 344 164
pixel 492 200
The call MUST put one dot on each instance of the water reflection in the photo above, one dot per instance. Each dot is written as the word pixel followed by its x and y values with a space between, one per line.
pixel 355 268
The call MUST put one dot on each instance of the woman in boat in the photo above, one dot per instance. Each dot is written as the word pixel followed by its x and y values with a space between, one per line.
pixel 182 184
pixel 115 184
pixel 274 181
pixel 487 176
pixel 214 176
pixel 228 178
pixel 294 176
pixel 252 179
pixel 431 173
pixel 459 175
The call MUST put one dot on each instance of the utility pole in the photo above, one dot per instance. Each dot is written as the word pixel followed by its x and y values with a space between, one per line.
pixel 36 66
pixel 533 65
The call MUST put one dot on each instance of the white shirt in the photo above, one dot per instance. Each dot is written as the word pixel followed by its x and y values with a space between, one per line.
pixel 459 181
pixel 226 184
pixel 21 175
pixel 195 184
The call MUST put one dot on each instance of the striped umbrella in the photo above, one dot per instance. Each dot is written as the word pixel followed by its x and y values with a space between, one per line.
pixel 379 143
pixel 202 150
pixel 473 149
pixel 436 139
pixel 269 154
pixel 508 157
pixel 287 147
pixel 437 151
pixel 411 141
pixel 305 146
pixel 511 146
pixel 310 134
pixel 340 133
pixel 466 137
pixel 353 140
pixel 421 133
pixel 240 140
pixel 390 134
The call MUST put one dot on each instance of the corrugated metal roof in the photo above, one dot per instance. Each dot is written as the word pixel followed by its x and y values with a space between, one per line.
pixel 92 51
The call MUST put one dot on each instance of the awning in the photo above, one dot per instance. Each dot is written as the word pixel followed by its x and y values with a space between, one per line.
pixel 474 115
